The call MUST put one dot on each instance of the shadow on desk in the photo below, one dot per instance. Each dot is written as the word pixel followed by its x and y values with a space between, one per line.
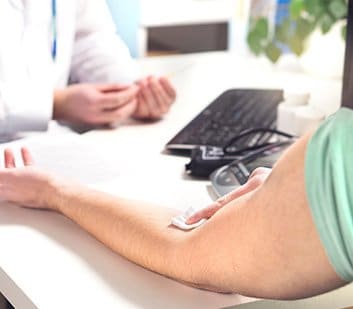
pixel 339 299
pixel 4 304
pixel 83 263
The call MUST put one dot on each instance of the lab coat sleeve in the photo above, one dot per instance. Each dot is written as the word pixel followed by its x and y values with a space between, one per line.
pixel 26 83
pixel 24 106
pixel 99 55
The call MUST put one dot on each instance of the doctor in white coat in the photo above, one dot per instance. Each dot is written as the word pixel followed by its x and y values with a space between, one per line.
pixel 63 60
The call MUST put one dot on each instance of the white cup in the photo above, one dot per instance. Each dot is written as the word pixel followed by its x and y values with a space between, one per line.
pixel 286 112
pixel 308 118
pixel 297 98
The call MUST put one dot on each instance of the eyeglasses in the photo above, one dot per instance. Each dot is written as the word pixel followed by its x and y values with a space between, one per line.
pixel 255 139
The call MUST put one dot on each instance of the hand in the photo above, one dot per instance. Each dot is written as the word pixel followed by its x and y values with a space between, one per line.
pixel 26 185
pixel 95 104
pixel 256 179
pixel 154 98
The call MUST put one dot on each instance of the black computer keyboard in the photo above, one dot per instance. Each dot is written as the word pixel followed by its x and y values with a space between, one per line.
pixel 233 112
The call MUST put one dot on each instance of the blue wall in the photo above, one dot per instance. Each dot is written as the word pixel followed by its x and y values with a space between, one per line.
pixel 126 15
pixel 282 10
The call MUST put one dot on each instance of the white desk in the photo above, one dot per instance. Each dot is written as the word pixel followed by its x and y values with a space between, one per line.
pixel 46 261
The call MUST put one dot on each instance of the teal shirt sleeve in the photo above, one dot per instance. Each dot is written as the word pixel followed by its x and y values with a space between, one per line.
pixel 329 187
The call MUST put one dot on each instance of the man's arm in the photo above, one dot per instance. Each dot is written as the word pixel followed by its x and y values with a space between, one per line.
pixel 263 244
pixel 270 245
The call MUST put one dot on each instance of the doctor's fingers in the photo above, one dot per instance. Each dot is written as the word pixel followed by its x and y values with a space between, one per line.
pixel 160 95
pixel 142 110
pixel 155 109
pixel 26 157
pixel 118 114
pixel 112 100
pixel 168 87
pixel 255 180
pixel 112 87
pixel 9 158
pixel 149 100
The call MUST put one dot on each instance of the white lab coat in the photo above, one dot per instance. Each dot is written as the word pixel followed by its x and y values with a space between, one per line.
pixel 88 50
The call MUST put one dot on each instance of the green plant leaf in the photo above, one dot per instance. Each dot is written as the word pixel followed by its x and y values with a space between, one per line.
pixel 283 30
pixel 295 8
pixel 273 52
pixel 326 22
pixel 296 45
pixel 254 42
pixel 338 9
pixel 344 32
pixel 305 16
pixel 315 7
pixel 304 27
pixel 262 28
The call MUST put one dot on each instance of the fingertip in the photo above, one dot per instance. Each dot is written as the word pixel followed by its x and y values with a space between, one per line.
pixel 166 82
pixel 194 218
pixel 164 79
pixel 136 88
pixel 9 158
pixel 26 156
pixel 191 220
pixel 167 85
pixel 113 87
pixel 154 81
pixel 134 102
pixel 144 83
pixel 150 81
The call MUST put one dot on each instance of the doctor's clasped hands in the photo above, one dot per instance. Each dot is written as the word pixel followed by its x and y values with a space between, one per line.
pixel 102 104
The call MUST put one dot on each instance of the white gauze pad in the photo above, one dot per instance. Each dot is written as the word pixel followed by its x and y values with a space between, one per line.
pixel 180 221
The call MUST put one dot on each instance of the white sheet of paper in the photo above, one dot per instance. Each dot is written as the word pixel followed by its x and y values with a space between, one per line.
pixel 67 155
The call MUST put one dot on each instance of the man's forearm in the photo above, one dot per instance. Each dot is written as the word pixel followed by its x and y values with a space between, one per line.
pixel 137 231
